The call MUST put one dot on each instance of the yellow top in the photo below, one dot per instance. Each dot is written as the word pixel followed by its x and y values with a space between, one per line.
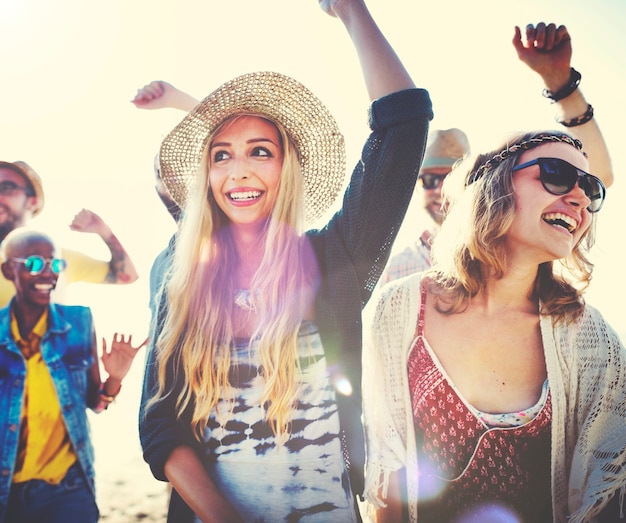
pixel 45 451
pixel 80 267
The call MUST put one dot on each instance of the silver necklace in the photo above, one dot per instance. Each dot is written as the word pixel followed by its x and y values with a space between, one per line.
pixel 243 300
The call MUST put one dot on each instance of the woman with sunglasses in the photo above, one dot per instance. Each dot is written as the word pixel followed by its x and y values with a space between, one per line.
pixel 499 394
pixel 49 376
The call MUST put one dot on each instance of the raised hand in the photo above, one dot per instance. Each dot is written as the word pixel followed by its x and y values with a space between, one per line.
pixel 328 6
pixel 547 50
pixel 159 95
pixel 118 359
pixel 89 221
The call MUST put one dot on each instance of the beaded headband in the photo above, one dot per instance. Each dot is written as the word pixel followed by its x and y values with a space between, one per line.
pixel 524 145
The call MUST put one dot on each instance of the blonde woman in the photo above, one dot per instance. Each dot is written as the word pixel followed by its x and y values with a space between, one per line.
pixel 500 394
pixel 251 405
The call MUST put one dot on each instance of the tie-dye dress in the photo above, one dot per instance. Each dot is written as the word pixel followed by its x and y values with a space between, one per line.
pixel 305 479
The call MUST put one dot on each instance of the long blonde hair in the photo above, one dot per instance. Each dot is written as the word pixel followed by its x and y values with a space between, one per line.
pixel 471 246
pixel 197 333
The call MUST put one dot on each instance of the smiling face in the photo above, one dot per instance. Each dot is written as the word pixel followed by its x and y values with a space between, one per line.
pixel 547 226
pixel 245 166
pixel 30 290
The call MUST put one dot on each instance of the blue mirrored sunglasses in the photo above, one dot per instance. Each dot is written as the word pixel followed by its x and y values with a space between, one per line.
pixel 560 177
pixel 37 264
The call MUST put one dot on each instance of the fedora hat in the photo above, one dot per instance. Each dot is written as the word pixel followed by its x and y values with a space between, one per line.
pixel 280 99
pixel 445 148
pixel 29 174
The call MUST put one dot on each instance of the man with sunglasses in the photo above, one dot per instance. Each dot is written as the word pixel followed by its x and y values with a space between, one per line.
pixel 444 149
pixel 22 199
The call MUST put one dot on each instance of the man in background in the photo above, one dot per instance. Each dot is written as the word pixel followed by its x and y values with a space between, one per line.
pixel 444 149
pixel 22 199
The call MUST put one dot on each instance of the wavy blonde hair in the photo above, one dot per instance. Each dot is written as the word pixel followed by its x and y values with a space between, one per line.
pixel 197 333
pixel 470 245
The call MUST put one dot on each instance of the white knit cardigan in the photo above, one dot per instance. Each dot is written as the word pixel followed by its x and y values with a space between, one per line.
pixel 586 366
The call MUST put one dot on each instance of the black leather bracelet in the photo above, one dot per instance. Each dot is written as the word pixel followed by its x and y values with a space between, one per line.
pixel 579 120
pixel 567 89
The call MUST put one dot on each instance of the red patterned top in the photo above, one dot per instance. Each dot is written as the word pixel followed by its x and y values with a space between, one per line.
pixel 470 471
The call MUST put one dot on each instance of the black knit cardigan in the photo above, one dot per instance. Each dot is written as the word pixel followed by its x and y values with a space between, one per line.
pixel 352 251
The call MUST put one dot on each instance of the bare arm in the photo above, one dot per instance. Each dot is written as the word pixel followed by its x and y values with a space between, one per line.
pixel 158 95
pixel 121 267
pixel 548 51
pixel 382 70
pixel 186 473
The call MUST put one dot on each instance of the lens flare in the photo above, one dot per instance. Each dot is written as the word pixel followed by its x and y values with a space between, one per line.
pixel 489 513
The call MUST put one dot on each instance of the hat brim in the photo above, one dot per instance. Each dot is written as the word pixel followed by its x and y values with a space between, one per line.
pixel 282 99
pixel 438 162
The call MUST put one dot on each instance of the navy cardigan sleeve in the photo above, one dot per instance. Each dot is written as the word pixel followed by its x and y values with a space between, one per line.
pixel 353 249
pixel 160 431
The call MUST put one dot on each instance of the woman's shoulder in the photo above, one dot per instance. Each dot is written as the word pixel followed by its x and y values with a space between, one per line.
pixel 71 308
pixel 590 318
pixel 589 332
pixel 71 313
pixel 593 316
pixel 405 285
pixel 398 296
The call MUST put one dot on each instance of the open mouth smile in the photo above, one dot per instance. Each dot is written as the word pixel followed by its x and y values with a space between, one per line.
pixel 44 287
pixel 558 219
pixel 244 196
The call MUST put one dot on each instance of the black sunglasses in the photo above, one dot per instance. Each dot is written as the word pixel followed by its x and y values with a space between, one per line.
pixel 9 188
pixel 432 181
pixel 36 264
pixel 560 177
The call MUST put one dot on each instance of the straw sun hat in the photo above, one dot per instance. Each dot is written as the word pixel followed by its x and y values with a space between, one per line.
pixel 280 99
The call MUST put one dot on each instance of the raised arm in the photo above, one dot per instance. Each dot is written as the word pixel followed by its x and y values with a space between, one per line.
pixel 382 70
pixel 121 267
pixel 547 50
pixel 159 95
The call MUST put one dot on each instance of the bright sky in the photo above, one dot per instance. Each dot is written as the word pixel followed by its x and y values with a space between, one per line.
pixel 70 68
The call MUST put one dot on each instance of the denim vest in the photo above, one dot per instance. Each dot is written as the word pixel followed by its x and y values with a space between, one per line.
pixel 67 350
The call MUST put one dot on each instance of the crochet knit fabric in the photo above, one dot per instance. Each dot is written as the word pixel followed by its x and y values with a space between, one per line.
pixel 586 364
